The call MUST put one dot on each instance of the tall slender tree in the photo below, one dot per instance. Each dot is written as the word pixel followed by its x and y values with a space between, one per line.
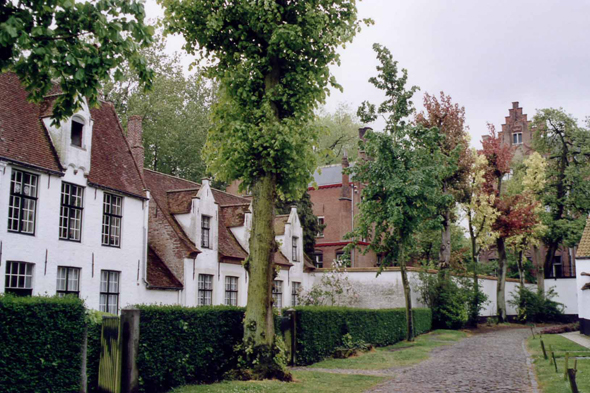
pixel 402 176
pixel 271 59
pixel 449 119
pixel 566 193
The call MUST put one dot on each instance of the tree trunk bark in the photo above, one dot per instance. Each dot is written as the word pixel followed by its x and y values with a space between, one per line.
pixel 501 288
pixel 258 321
pixel 474 312
pixel 408 297
pixel 444 255
pixel 551 249
pixel 520 269
pixel 540 270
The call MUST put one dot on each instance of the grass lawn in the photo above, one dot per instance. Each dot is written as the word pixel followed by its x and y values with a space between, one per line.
pixel 305 381
pixel 549 380
pixel 397 355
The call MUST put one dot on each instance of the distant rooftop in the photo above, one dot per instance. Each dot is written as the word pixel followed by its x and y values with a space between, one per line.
pixel 330 174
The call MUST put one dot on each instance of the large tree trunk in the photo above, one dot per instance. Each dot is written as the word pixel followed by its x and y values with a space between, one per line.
pixel 520 269
pixel 444 255
pixel 474 312
pixel 540 270
pixel 408 297
pixel 501 288
pixel 549 256
pixel 259 332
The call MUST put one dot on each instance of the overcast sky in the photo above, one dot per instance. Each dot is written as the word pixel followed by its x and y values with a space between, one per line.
pixel 485 54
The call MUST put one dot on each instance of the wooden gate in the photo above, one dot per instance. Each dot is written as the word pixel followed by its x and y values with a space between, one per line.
pixel 109 369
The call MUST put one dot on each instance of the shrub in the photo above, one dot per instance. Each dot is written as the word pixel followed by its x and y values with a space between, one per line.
pixel 534 306
pixel 451 299
pixel 320 330
pixel 40 344
pixel 181 345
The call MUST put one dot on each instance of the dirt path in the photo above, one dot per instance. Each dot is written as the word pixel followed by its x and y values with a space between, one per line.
pixel 491 362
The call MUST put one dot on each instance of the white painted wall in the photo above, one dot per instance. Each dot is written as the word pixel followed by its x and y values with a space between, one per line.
pixel 567 293
pixel 46 246
pixel 583 266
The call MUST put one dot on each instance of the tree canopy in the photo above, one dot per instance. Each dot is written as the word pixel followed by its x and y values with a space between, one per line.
pixel 74 43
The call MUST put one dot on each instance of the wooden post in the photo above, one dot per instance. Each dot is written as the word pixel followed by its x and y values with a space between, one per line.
pixel 130 347
pixel 83 371
pixel 533 332
pixel 543 348
pixel 554 361
pixel 572 377
pixel 293 330
pixel 565 368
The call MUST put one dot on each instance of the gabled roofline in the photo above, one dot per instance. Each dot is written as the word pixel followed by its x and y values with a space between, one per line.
pixel 34 167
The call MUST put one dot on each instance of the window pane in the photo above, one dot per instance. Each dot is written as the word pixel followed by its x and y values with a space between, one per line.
pixel 104 278
pixel 61 279
pixel 102 305
pixel 114 282
pixel 73 279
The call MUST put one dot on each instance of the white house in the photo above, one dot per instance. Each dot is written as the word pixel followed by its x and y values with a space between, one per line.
pixel 583 280
pixel 73 206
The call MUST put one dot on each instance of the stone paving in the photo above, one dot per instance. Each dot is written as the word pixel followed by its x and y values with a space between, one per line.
pixel 491 362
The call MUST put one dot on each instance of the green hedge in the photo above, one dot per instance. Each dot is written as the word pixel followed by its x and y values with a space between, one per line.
pixel 40 344
pixel 320 329
pixel 180 345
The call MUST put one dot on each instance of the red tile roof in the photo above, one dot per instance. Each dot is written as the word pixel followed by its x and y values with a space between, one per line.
pixel 231 216
pixel 158 274
pixel 23 137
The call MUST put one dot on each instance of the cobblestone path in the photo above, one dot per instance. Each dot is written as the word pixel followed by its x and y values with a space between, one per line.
pixel 491 362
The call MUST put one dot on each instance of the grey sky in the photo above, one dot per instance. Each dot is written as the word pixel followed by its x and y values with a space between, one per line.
pixel 485 54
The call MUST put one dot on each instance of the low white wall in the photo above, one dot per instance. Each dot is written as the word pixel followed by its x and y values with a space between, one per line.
pixel 386 290
pixel 567 293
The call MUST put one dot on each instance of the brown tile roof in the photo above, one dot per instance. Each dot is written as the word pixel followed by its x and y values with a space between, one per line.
pixel 308 263
pixel 231 216
pixel 281 260
pixel 23 137
pixel 280 222
pixel 158 274
pixel 179 202
pixel 224 198
pixel 112 164
pixel 583 250
pixel 586 286
pixel 159 184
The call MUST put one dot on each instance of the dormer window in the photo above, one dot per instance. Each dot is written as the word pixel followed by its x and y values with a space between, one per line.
pixel 205 228
pixel 77 133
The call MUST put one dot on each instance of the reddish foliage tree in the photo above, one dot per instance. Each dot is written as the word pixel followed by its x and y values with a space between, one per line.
pixel 449 118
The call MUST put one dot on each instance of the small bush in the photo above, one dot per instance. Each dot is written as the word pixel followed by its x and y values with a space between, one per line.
pixel 534 306
pixel 320 330
pixel 182 345
pixel 40 344
pixel 452 300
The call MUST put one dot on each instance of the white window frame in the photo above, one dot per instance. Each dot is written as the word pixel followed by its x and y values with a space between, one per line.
pixel 277 293
pixel 110 289
pixel 22 206
pixel 517 138
pixel 231 290
pixel 112 218
pixel 71 211
pixel 321 221
pixel 205 231
pixel 295 289
pixel 70 278
pixel 19 281
pixel 205 290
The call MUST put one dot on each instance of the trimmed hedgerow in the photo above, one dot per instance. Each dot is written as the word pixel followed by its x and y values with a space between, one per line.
pixel 40 344
pixel 181 345
pixel 320 329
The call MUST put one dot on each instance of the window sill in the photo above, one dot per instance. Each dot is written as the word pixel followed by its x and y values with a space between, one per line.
pixel 110 246
pixel 70 240
pixel 21 233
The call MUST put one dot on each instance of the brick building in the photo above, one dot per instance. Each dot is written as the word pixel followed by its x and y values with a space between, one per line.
pixel 517 132
pixel 335 202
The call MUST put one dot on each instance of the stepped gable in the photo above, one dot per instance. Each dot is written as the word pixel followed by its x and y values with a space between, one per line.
pixel 23 137
pixel 158 274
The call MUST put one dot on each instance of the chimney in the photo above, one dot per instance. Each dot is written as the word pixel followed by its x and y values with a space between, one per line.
pixel 345 191
pixel 135 139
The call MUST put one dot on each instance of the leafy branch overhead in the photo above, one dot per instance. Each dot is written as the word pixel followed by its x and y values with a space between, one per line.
pixel 76 44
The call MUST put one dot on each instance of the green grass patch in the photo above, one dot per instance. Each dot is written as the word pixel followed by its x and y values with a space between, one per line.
pixel 551 381
pixel 305 381
pixel 401 354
